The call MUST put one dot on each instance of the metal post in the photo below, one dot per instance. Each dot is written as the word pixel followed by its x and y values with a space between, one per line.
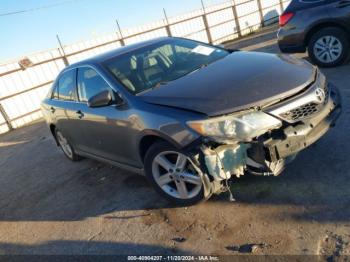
pixel 281 5
pixel 235 15
pixel 6 117
pixel 121 39
pixel 206 24
pixel 167 27
pixel 261 13
pixel 65 61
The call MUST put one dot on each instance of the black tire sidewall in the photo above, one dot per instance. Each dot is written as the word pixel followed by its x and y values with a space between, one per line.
pixel 331 31
pixel 74 157
pixel 152 152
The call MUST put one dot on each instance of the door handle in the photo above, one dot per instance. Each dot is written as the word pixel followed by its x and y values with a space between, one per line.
pixel 80 114
pixel 343 3
pixel 52 109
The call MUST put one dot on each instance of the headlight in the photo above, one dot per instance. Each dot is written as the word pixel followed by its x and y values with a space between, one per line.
pixel 240 127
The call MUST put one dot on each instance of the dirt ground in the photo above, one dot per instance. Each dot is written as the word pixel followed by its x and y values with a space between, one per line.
pixel 49 205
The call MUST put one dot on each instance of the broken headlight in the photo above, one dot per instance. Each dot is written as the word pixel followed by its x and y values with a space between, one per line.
pixel 239 127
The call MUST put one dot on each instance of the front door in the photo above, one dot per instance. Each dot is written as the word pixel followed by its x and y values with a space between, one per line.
pixel 106 129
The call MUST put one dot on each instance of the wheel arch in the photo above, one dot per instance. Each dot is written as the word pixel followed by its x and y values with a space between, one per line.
pixel 321 26
pixel 149 138
pixel 53 132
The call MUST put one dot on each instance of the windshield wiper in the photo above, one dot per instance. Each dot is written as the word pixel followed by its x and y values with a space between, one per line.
pixel 195 70
pixel 201 66
pixel 161 83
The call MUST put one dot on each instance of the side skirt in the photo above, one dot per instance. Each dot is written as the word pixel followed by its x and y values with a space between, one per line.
pixel 133 169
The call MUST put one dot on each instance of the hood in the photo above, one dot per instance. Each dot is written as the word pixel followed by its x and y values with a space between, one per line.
pixel 239 81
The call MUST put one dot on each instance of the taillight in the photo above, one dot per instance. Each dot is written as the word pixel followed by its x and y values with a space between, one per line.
pixel 284 18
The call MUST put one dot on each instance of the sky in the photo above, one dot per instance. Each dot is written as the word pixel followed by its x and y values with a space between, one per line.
pixel 28 26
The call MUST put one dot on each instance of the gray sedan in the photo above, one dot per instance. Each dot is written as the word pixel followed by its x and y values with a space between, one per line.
pixel 188 115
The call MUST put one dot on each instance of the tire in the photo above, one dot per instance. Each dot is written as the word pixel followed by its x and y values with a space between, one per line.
pixel 66 147
pixel 173 176
pixel 329 47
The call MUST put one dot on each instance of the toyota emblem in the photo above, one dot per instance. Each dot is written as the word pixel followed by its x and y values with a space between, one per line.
pixel 320 94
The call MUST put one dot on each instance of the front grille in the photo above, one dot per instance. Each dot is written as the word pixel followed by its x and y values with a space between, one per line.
pixel 306 110
pixel 304 105
pixel 326 91
pixel 301 112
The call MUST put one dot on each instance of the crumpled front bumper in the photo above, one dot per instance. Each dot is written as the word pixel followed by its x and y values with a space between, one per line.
pixel 299 136
pixel 269 154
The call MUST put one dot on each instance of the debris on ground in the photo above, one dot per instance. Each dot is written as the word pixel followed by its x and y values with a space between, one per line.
pixel 332 246
pixel 247 248
pixel 179 239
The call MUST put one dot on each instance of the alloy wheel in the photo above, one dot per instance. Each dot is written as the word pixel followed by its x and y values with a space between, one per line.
pixel 328 49
pixel 175 175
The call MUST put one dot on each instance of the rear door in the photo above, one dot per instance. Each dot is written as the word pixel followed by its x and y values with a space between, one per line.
pixel 340 10
pixel 63 107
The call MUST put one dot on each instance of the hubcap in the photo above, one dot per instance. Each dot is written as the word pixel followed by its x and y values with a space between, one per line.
pixel 328 49
pixel 67 149
pixel 175 175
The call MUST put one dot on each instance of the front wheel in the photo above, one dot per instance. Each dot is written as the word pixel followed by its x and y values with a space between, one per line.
pixel 329 47
pixel 172 175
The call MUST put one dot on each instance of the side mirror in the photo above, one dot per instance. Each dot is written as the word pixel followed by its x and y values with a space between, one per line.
pixel 103 98
pixel 118 100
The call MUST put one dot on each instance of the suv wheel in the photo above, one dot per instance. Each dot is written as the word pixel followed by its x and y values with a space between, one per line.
pixel 329 47
pixel 66 147
pixel 173 175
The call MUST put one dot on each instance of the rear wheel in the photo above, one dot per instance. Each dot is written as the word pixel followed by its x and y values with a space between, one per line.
pixel 172 175
pixel 66 147
pixel 329 47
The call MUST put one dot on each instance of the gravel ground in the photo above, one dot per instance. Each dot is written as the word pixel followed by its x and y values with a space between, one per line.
pixel 52 206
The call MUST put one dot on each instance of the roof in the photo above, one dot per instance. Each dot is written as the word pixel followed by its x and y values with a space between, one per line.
pixel 119 51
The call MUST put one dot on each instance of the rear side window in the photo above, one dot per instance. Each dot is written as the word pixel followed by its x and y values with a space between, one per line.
pixel 67 86
pixel 90 83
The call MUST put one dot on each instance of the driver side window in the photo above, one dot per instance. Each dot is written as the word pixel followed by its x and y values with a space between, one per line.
pixel 90 83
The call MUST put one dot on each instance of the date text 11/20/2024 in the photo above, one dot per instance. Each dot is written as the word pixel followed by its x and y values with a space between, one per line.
pixel 173 258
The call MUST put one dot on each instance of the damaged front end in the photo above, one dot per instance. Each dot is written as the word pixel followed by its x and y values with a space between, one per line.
pixel 226 160
pixel 262 141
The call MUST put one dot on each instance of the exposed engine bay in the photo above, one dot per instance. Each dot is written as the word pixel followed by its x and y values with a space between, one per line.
pixel 269 153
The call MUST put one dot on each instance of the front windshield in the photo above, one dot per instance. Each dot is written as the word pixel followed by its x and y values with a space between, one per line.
pixel 154 65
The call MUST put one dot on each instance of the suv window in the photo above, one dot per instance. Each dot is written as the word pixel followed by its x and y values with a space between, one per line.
pixel 66 86
pixel 90 83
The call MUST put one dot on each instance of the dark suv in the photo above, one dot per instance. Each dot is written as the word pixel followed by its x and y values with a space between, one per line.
pixel 190 115
pixel 320 26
